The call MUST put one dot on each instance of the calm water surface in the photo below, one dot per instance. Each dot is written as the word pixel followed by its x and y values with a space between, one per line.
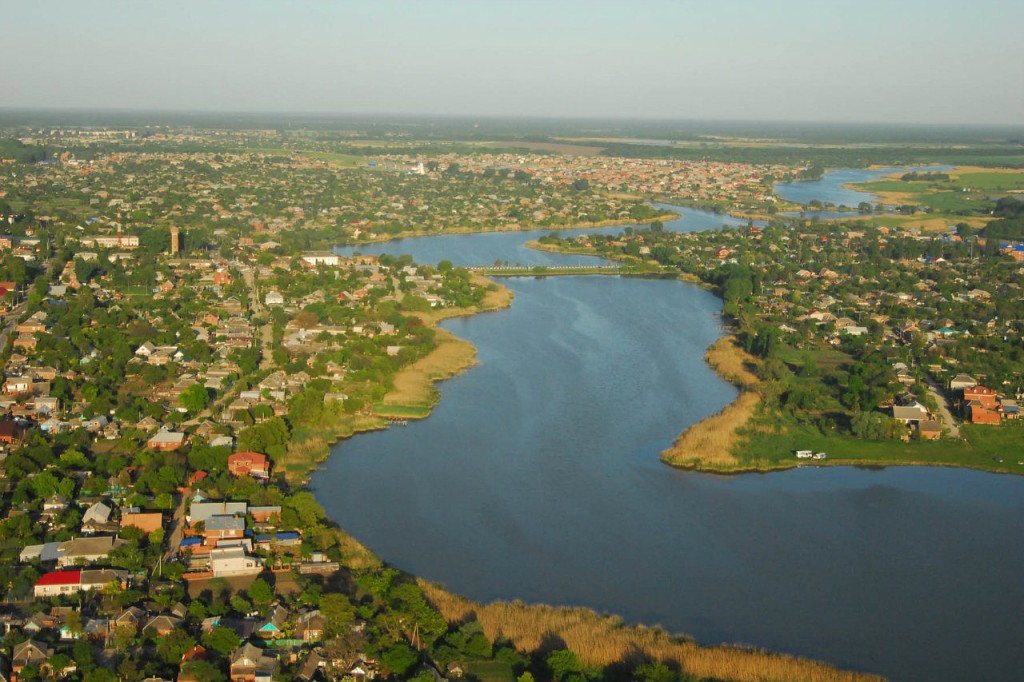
pixel 830 187
pixel 537 477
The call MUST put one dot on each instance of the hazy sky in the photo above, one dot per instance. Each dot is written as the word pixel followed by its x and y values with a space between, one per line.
pixel 925 61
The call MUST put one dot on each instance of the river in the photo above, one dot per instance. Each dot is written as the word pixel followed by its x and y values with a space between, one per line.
pixel 830 187
pixel 537 477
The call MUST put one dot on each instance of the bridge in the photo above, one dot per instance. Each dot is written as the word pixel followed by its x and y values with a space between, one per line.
pixel 524 270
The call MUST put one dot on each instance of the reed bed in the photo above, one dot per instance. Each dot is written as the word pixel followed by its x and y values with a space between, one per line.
pixel 710 442
pixel 602 640
pixel 413 386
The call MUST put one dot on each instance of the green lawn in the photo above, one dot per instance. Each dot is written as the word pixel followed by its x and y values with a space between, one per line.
pixel 491 671
pixel 982 448
pixel 402 411
pixel 995 182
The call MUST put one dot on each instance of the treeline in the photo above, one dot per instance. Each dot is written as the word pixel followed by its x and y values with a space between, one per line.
pixel 832 157
pixel 1010 224
pixel 21 152
pixel 915 176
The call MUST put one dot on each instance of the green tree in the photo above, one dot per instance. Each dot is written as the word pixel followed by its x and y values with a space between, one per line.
pixel 173 645
pixel 222 640
pixel 399 658
pixel 261 593
pixel 195 398
pixel 564 664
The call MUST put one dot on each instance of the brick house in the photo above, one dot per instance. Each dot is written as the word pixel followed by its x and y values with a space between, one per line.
pixel 251 464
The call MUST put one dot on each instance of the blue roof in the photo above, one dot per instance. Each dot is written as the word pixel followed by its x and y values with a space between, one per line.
pixel 191 542
pixel 283 535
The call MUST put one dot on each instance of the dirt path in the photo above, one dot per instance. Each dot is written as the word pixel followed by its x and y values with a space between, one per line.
pixel 945 415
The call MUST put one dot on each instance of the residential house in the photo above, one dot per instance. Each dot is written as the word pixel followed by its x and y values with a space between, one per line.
pixel 267 514
pixel 309 626
pixel 929 429
pixel 962 381
pixel 229 561
pixel 223 527
pixel 251 464
pixel 11 431
pixel 167 440
pixel 147 522
pixel 274 626
pixel 977 413
pixel 76 580
pixel 29 653
pixel 986 396
pixel 129 618
pixel 199 512
pixel 913 412
pixel 249 664
pixel 87 550
pixel 97 513
pixel 162 625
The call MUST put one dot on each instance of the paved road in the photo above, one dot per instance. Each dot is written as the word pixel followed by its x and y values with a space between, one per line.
pixel 177 527
pixel 12 320
pixel 945 415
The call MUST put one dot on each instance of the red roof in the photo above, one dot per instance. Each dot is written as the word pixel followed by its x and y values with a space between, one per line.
pixel 60 578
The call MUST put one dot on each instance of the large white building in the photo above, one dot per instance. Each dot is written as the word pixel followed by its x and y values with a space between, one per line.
pixel 229 561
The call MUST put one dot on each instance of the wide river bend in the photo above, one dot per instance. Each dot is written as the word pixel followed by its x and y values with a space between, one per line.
pixel 537 477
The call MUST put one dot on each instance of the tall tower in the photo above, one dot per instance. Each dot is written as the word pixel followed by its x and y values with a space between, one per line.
pixel 175 241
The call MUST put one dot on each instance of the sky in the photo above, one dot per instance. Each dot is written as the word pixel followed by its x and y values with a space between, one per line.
pixel 893 61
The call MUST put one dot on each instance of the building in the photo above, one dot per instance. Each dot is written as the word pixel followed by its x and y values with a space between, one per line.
pixel 977 413
pixel 962 381
pixel 909 413
pixel 223 527
pixel 175 241
pixel 75 580
pixel 29 653
pixel 147 522
pixel 929 429
pixel 249 664
pixel 229 561
pixel 249 464
pixel 86 550
pixel 201 511
pixel 167 440
pixel 986 396
pixel 315 258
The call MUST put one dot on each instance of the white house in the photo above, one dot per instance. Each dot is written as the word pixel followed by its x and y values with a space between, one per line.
pixel 321 258
pixel 228 561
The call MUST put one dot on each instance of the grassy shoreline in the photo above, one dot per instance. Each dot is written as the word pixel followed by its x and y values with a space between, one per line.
pixel 597 639
pixel 514 227
pixel 603 640
pixel 708 444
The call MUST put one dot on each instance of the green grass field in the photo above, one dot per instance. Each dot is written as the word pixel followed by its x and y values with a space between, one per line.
pixel 993 182
pixel 992 448
pixel 491 671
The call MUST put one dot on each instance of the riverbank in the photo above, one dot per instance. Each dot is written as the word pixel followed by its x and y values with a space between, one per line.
pixel 513 227
pixel 598 640
pixel 709 444
pixel 603 640
pixel 412 395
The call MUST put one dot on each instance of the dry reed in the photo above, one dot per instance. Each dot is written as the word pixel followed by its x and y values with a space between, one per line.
pixel 601 640
pixel 709 443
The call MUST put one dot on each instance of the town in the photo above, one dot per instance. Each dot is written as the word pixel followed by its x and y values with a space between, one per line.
pixel 181 345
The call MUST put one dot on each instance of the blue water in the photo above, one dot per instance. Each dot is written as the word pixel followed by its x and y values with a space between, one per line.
pixel 485 248
pixel 829 189
pixel 537 477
